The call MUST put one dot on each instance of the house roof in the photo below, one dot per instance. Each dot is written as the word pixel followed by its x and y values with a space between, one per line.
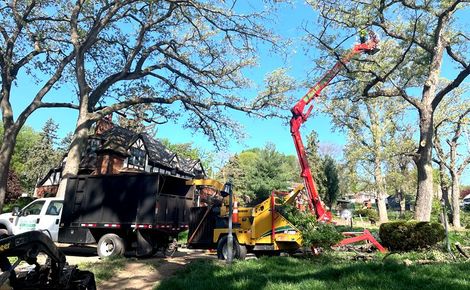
pixel 119 140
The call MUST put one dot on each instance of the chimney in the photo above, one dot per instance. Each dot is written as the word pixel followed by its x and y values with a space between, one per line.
pixel 105 124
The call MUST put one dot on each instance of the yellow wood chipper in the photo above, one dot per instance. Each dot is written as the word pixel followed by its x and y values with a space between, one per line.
pixel 261 229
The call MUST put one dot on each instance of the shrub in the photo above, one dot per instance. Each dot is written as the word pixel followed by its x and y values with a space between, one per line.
pixel 465 217
pixel 324 235
pixel 410 235
pixel 20 202
pixel 371 214
pixel 313 233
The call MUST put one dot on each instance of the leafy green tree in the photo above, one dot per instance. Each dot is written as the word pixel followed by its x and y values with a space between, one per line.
pixel 451 119
pixel 239 169
pixel 43 156
pixel 401 179
pixel 372 126
pixel 188 150
pixel 271 173
pixel 257 172
pixel 315 161
pixel 417 38
pixel 331 183
pixel 65 143
pixel 26 139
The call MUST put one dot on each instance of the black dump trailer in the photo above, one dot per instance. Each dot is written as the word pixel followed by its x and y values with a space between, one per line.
pixel 120 212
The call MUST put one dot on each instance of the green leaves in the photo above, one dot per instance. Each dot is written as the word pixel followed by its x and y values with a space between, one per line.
pixel 35 154
pixel 256 172
pixel 313 233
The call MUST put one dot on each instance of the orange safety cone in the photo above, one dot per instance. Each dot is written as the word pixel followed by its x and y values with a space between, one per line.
pixel 235 212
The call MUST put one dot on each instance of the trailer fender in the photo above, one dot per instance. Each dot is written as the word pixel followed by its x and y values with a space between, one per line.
pixel 145 244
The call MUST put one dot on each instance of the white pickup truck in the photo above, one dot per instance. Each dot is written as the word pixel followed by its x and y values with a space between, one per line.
pixel 42 214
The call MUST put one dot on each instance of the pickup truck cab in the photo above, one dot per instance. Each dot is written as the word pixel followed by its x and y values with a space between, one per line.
pixel 42 214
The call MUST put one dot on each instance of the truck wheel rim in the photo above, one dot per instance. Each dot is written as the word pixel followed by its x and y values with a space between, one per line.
pixel 107 247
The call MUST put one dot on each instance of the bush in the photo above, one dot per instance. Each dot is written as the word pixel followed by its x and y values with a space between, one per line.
pixel 465 217
pixel 324 236
pixel 410 235
pixel 313 233
pixel 20 202
pixel 371 214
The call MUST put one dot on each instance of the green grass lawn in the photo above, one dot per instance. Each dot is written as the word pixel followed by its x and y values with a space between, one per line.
pixel 319 273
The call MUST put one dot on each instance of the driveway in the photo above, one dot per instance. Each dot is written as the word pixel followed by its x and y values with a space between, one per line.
pixel 137 273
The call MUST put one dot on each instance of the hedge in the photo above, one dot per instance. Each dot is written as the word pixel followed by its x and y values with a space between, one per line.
pixel 410 235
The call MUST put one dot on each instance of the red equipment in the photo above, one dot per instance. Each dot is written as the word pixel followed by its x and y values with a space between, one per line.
pixel 361 236
pixel 299 117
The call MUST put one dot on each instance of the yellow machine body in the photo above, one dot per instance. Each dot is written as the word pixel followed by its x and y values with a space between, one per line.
pixel 261 228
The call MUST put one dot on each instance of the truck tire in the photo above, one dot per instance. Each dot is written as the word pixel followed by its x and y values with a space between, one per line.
pixel 145 245
pixel 110 245
pixel 238 252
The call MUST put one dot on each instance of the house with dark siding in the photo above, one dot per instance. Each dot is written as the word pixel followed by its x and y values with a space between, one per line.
pixel 112 149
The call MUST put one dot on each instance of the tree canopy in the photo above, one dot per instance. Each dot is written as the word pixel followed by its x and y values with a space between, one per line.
pixel 256 172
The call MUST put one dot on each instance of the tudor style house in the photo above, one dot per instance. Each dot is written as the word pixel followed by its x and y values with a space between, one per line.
pixel 112 149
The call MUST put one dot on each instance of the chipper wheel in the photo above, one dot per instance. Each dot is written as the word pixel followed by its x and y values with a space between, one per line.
pixel 239 251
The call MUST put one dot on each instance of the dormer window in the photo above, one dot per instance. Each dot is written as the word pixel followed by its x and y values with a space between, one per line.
pixel 137 157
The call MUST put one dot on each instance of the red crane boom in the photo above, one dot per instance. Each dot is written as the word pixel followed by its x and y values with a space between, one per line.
pixel 299 117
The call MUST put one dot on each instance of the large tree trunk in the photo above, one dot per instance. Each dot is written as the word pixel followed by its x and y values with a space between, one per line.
pixel 381 195
pixel 76 151
pixel 455 197
pixel 424 166
pixel 6 152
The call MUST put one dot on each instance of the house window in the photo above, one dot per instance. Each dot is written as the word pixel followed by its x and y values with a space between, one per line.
pixel 137 157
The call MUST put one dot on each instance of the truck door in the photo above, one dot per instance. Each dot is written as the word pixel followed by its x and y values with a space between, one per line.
pixel 51 219
pixel 30 217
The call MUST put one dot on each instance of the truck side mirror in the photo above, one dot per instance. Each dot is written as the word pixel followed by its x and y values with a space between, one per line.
pixel 16 211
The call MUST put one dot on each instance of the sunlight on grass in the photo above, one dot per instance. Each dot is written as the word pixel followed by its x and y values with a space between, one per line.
pixel 278 273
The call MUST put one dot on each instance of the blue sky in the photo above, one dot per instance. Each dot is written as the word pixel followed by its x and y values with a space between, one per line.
pixel 259 132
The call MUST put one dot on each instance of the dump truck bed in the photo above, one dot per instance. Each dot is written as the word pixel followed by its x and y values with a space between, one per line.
pixel 150 201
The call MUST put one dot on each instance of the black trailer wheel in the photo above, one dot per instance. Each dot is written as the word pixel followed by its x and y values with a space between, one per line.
pixel 222 249
pixel 110 245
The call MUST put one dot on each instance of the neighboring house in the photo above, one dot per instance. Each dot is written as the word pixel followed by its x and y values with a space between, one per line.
pixel 361 197
pixel 113 149
pixel 393 202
